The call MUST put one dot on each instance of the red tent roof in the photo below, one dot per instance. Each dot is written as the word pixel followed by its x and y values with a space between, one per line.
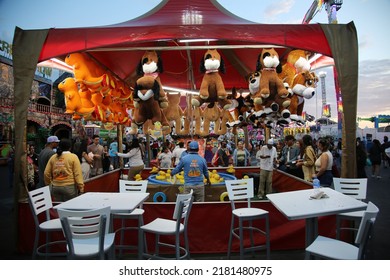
pixel 119 47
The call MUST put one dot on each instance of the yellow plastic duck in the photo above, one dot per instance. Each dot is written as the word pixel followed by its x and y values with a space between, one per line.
pixel 138 177
pixel 213 181
pixel 168 175
pixel 160 177
pixel 245 177
pixel 230 169
pixel 154 170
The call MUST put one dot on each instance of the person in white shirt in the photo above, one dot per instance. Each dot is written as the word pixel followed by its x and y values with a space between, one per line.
pixel 135 156
pixel 258 154
pixel 267 160
pixel 165 158
pixel 176 154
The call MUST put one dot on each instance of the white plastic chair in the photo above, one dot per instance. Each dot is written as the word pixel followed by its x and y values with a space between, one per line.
pixel 239 190
pixel 126 186
pixel 40 201
pixel 356 188
pixel 329 248
pixel 86 233
pixel 176 227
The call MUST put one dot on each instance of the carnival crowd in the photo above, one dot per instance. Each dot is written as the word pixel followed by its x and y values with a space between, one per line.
pixel 306 157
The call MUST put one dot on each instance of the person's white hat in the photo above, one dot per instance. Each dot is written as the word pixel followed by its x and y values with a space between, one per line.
pixel 53 139
pixel 270 141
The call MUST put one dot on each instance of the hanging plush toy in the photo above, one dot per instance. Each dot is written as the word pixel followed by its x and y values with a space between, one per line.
pixel 151 65
pixel 212 88
pixel 72 98
pixel 210 114
pixel 193 121
pixel 175 114
pixel 125 93
pixel 272 91
pixel 297 62
pixel 240 106
pixel 118 110
pixel 86 96
pixel 268 63
pixel 303 86
pixel 88 72
pixel 146 94
pixel 254 90
pixel 98 91
pixel 222 124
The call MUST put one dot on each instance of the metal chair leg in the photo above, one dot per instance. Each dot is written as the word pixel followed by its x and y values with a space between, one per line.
pixel 34 255
pixel 241 236
pixel 230 237
pixel 267 238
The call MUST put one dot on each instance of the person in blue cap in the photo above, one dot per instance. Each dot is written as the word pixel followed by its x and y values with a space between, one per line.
pixel 195 167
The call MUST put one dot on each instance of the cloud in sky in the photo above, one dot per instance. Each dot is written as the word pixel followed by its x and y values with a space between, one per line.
pixel 374 93
pixel 276 8
pixel 373 90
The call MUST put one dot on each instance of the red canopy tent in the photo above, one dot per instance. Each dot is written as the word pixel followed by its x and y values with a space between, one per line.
pixel 119 47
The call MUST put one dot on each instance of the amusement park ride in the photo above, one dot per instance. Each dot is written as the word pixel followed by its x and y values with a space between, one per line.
pixel 377 120
pixel 331 7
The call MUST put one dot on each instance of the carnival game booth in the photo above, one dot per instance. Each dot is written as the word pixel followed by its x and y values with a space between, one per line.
pixel 209 223
pixel 118 48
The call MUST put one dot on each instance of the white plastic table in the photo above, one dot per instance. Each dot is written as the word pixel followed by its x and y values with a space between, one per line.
pixel 119 203
pixel 298 205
